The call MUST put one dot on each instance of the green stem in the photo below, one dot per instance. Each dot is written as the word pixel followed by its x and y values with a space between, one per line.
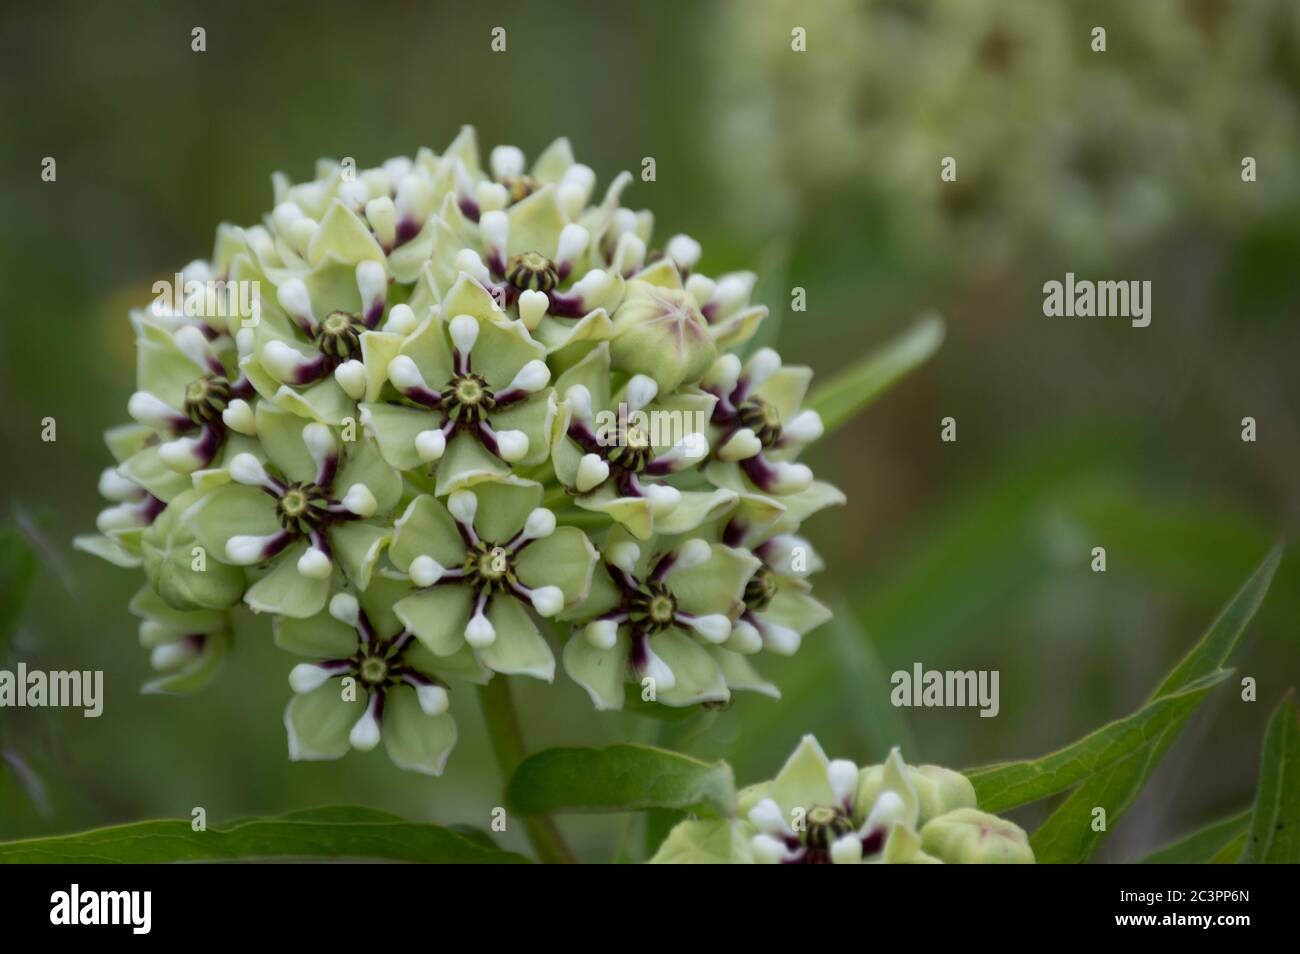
pixel 502 721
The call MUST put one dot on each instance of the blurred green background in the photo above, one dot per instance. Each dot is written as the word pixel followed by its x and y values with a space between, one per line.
pixel 820 170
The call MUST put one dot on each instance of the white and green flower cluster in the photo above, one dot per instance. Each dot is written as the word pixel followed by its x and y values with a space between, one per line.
pixel 823 811
pixel 1057 144
pixel 471 397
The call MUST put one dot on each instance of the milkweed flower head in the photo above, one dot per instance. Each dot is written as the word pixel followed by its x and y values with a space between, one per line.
pixel 473 418
pixel 831 811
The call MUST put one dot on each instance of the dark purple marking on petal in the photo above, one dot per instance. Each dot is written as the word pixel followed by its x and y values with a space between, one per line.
pixel 328 469
pixel 566 305
pixel 663 567
pixel 734 533
pixel 314 370
pixel 276 544
pixel 374 313
pixel 756 469
pixel 469 208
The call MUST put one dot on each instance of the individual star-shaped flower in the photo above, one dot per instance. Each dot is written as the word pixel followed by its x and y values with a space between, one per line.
pixel 614 452
pixel 187 392
pixel 470 393
pixel 663 613
pixel 310 348
pixel 811 813
pixel 481 562
pixel 296 512
pixel 371 679
pixel 759 423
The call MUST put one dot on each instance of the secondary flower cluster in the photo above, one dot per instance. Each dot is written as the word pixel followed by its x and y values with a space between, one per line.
pixel 1057 144
pixel 822 811
pixel 465 398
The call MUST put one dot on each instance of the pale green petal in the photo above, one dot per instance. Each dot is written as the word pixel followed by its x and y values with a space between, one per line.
pixel 467 462
pixel 162 369
pixel 281 435
pixel 819 495
pixel 602 597
pixel 427 529
pixel 105 548
pixel 698 678
pixel 378 349
pixel 697 507
pixel 633 513
pixel 553 161
pixel 428 347
pixel 364 465
pixel 357 546
pixel 126 439
pixel 592 372
pixel 147 469
pixel 804 781
pixel 557 333
pixel 602 672
pixel 463 664
pixel 717 584
pixel 533 416
pixel 504 506
pixel 741 674
pixel 535 223
pixel 319 722
pixel 406 261
pixel 519 649
pixel 785 389
pixel 324 401
pixel 343 237
pixel 732 332
pixel 394 429
pixel 897 780
pixel 503 347
pixel 414 740
pixel 286 591
pixel 565 559
pixel 228 511
pixel 437 617
pixel 467 297
pixel 320 637
pixel 794 609
pixel 377 601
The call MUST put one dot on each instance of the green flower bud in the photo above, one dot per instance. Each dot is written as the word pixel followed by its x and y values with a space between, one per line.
pixel 659 332
pixel 968 836
pixel 939 790
pixel 185 575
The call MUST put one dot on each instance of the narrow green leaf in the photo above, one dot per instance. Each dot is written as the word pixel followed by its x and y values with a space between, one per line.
pixel 848 392
pixel 154 842
pixel 620 778
pixel 1230 854
pixel 1275 822
pixel 1221 639
pixel 1203 846
pixel 1070 834
pixel 1009 784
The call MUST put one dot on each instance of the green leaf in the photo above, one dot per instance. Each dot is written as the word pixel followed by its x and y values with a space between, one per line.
pixel 1275 822
pixel 1009 784
pixel 17 570
pixel 848 392
pixel 1068 837
pixel 620 778
pixel 1204 846
pixel 336 832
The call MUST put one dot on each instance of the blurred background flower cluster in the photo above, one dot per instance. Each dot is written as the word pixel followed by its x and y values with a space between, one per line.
pixel 819 170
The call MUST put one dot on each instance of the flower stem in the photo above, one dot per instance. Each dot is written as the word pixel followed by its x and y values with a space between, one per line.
pixel 502 721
